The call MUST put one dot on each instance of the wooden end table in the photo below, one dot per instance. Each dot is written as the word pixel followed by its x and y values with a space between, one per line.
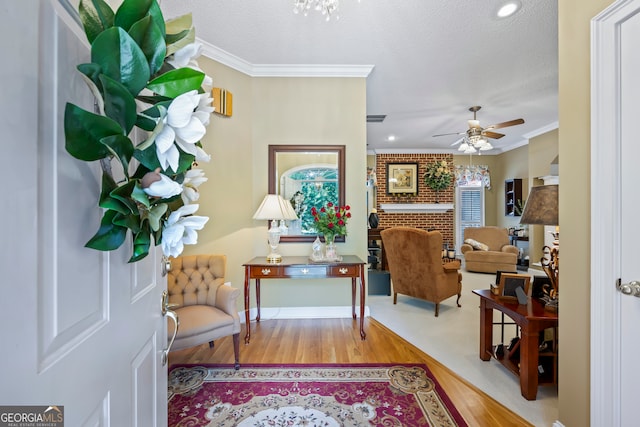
pixel 303 268
pixel 532 319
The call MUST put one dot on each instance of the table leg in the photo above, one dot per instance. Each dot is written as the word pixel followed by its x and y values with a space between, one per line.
pixel 529 364
pixel 363 335
pixel 353 296
pixel 247 291
pixel 486 330
pixel 258 299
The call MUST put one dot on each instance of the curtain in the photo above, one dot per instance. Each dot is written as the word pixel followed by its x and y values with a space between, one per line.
pixel 473 175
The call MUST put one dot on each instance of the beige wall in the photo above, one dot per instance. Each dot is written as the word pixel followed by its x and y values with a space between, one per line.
pixel 574 149
pixel 278 111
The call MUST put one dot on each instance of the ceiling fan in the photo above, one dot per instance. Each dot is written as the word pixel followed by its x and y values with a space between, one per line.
pixel 475 138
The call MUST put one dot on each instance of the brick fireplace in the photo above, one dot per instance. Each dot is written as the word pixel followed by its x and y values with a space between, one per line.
pixel 443 222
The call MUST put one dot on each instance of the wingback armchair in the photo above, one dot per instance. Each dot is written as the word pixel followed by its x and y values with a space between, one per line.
pixel 206 307
pixel 488 250
pixel 414 258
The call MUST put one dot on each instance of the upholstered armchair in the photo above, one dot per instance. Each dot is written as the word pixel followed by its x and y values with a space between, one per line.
pixel 414 258
pixel 205 305
pixel 487 250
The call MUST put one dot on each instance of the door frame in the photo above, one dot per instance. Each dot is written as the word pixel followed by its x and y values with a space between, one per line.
pixel 606 237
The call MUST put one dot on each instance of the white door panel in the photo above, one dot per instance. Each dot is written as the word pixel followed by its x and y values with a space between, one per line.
pixel 615 383
pixel 81 328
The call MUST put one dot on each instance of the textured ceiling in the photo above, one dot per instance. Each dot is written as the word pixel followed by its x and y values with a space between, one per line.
pixel 431 59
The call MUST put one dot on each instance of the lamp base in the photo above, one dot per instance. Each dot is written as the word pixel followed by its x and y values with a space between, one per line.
pixel 274 258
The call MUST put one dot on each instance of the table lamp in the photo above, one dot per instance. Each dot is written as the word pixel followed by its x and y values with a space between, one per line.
pixel 542 208
pixel 274 208
pixel 291 215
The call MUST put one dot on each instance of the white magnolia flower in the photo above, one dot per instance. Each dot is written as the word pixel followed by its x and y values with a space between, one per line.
pixel 180 229
pixel 164 188
pixel 183 126
pixel 192 180
pixel 186 57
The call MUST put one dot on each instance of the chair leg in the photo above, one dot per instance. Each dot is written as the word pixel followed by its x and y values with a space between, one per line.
pixel 210 344
pixel 395 297
pixel 437 308
pixel 236 350
pixel 458 300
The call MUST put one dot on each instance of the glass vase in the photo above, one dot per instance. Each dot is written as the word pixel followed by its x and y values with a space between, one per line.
pixel 330 250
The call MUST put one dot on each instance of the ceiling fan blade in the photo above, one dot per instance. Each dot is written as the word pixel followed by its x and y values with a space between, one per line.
pixel 493 135
pixel 457 142
pixel 447 134
pixel 506 124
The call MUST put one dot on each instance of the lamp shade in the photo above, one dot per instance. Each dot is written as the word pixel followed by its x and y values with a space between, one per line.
pixel 541 206
pixel 274 207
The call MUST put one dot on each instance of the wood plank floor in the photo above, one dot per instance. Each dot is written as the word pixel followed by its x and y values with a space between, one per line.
pixel 338 341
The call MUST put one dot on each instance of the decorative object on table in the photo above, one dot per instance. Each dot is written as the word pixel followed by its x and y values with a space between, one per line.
pixel 510 282
pixel 438 176
pixel 402 178
pixel 317 254
pixel 145 82
pixel 331 221
pixel 274 208
pixel 374 219
pixel 542 209
pixel 328 395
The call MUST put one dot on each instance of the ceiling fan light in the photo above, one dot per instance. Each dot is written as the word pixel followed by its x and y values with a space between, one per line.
pixel 463 147
pixel 470 150
pixel 474 123
pixel 486 146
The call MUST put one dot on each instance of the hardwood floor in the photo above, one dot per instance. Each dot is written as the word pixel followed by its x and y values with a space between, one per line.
pixel 338 341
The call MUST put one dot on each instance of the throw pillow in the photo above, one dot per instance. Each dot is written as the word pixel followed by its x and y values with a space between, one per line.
pixel 476 245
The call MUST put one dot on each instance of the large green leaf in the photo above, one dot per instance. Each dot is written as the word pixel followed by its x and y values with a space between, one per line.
pixel 155 216
pixel 108 202
pixel 84 130
pixel 96 16
pixel 149 37
pixel 176 42
pixel 130 221
pixel 119 104
pixel 123 193
pixel 141 244
pixel 132 11
pixel 177 82
pixel 121 58
pixel 109 236
pixel 179 24
pixel 140 196
pixel 121 147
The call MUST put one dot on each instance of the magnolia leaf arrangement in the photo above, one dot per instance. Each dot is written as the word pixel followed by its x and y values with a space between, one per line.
pixel 438 175
pixel 146 83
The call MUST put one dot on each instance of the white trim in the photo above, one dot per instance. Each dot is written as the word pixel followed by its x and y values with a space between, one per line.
pixel 416 207
pixel 283 70
pixel 542 130
pixel 605 372
pixel 271 313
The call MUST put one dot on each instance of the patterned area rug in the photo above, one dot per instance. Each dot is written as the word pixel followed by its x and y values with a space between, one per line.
pixel 311 396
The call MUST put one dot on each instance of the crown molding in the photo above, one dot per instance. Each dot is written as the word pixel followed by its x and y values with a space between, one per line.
pixel 282 70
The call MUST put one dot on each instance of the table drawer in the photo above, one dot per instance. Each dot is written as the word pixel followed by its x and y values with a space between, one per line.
pixel 344 270
pixel 263 271
pixel 306 271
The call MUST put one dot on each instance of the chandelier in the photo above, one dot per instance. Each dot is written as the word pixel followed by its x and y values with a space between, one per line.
pixel 326 7
pixel 474 141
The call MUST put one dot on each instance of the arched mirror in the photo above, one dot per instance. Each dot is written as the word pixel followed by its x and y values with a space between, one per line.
pixel 307 176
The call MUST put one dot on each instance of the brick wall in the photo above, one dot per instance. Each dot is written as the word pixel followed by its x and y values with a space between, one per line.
pixel 442 222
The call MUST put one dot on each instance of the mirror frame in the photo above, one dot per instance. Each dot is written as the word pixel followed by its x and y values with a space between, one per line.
pixel 273 179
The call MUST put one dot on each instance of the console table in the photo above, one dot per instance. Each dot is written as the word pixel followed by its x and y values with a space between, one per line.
pixel 303 268
pixel 532 318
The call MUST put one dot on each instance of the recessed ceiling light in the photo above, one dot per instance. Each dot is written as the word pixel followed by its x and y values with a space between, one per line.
pixel 391 138
pixel 508 9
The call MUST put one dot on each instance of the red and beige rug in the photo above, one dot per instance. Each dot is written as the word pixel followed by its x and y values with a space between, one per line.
pixel 305 395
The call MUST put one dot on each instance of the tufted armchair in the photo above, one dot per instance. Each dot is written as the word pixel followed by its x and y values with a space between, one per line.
pixel 206 306
pixel 414 258
pixel 492 253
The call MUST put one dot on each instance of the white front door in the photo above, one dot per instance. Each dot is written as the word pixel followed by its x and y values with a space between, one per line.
pixel 79 328
pixel 615 317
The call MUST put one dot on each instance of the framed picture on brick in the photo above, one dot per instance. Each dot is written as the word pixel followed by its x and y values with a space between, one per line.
pixel 402 178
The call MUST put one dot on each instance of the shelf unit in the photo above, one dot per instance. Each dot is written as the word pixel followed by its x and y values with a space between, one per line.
pixel 512 193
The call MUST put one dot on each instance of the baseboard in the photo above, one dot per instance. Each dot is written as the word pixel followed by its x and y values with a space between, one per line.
pixel 267 313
